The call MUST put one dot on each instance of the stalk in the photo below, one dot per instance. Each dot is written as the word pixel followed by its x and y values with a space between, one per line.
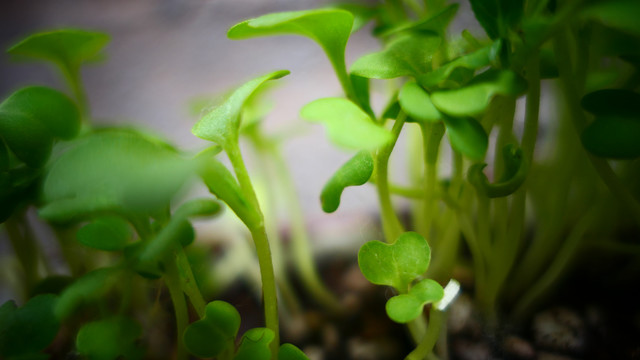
pixel 25 249
pixel 429 341
pixel 259 235
pixel 189 285
pixel 172 280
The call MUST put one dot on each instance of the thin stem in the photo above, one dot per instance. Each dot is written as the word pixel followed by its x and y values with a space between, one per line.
pixel 25 249
pixel 431 136
pixel 429 341
pixel 188 281
pixel 391 225
pixel 172 280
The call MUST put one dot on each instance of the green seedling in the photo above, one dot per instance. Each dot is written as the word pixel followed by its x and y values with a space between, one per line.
pixel 354 172
pixel 110 339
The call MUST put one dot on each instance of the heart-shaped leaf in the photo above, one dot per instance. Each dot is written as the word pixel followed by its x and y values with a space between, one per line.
pixel 26 331
pixel 516 169
pixel 612 102
pixel 215 332
pixel 409 54
pixel 255 345
pixel 67 48
pixel 437 23
pixel 467 136
pixel 406 307
pixel 475 60
pixel 221 125
pixel 32 118
pixel 416 102
pixel 291 352
pixel 106 233
pixel 396 264
pixel 474 98
pixel 347 125
pixel 354 172
pixel 620 14
pixel 330 28
pixel 113 171
pixel 613 137
pixel 110 339
pixel 91 286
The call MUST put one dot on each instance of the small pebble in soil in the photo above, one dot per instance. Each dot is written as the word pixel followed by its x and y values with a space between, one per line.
pixel 518 348
pixel 559 329
pixel 372 349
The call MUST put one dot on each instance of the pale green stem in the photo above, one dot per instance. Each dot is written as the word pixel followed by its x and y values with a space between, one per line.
pixel 391 225
pixel 172 280
pixel 188 281
pixel 430 338
pixel 431 136
pixel 259 235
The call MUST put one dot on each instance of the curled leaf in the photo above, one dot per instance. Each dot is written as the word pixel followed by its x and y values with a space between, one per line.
pixel 516 169
pixel 291 352
pixel 221 125
pixel 354 172
pixel 473 99
pixel 110 339
pixel 32 118
pixel 408 54
pixel 416 102
pixel 215 332
pixel 396 264
pixel 407 307
pixel 255 345
pixel 347 125
pixel 467 136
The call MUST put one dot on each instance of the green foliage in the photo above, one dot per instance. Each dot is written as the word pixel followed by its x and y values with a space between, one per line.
pixel 407 307
pixel 497 16
pixel 474 98
pixel 347 125
pixel 221 125
pixel 87 289
pixel 437 23
pixel 516 169
pixel 255 345
pixel 416 102
pixel 215 332
pixel 26 331
pixel 314 24
pixel 408 54
pixel 467 136
pixel 291 352
pixel 616 129
pixel 354 172
pixel 105 233
pixel 110 339
pixel 32 118
pixel 396 264
pixel 67 48
pixel 620 14
pixel 115 171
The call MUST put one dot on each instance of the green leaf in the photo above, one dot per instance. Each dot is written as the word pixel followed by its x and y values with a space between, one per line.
pixel 215 332
pixel 32 118
pixel 90 287
pixel 291 352
pixel 362 14
pixel 416 102
pixel 436 23
pixel 221 125
pixel 516 169
pixel 347 125
pixel 497 16
pixel 4 156
pixel 621 14
pixel 152 254
pixel 106 233
pixel 407 307
pixel 467 136
pixel 354 172
pixel 117 171
pixel 27 330
pixel 409 54
pixel 396 264
pixel 474 98
pixel 475 60
pixel 67 48
pixel 612 102
pixel 330 28
pixel 612 136
pixel 255 345
pixel 110 339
